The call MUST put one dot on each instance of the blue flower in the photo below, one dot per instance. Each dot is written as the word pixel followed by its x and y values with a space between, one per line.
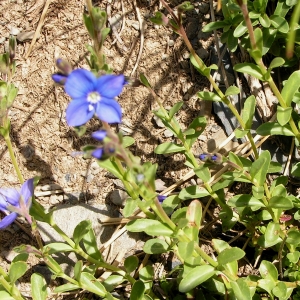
pixel 92 95
pixel 99 135
pixel 16 202
pixel 161 198
pixel 59 78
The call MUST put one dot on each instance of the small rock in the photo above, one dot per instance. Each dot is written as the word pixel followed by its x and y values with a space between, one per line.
pixel 203 7
pixel 171 43
pixel 118 197
pixel 202 138
pixel 203 54
pixel 186 54
pixel 50 187
pixel 135 25
pixel 9 255
pixel 53 199
pixel 89 178
pixel 2 40
pixel 116 21
pixel 160 185
pixel 158 121
pixel 25 35
pixel 119 184
pixel 168 133
pixel 15 30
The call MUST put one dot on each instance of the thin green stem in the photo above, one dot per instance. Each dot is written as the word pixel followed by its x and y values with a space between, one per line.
pixel 13 158
pixel 11 289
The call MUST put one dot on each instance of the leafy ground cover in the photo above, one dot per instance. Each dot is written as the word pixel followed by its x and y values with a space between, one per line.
pixel 220 215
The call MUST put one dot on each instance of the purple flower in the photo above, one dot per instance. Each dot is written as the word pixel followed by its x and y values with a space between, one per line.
pixel 203 156
pixel 161 198
pixel 59 78
pixel 99 135
pixel 16 202
pixel 92 95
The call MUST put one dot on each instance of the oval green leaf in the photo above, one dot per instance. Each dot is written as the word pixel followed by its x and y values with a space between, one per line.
pixel 151 227
pixel 229 255
pixel 195 277
pixel 155 246
pixel 273 128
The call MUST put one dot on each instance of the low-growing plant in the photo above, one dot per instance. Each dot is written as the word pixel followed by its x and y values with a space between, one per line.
pixel 268 214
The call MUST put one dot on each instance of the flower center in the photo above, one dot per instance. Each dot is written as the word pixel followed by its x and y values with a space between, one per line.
pixel 93 97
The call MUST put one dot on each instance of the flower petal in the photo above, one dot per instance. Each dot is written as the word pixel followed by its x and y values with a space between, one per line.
pixel 6 221
pixel 12 196
pixel 78 113
pixel 79 83
pixel 109 110
pixel 97 153
pixel 59 78
pixel 99 135
pixel 27 190
pixel 110 86
pixel 3 203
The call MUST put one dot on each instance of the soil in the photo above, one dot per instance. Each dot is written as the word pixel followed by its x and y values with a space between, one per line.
pixel 44 144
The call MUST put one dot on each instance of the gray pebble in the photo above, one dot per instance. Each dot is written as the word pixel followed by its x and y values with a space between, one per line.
pixel 118 197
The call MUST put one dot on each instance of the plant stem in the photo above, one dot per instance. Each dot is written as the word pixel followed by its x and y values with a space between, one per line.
pixel 13 158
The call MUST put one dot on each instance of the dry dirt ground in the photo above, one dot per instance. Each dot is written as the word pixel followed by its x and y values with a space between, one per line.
pixel 43 142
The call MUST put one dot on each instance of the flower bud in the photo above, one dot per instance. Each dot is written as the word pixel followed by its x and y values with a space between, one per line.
pixel 12 48
pixel 64 66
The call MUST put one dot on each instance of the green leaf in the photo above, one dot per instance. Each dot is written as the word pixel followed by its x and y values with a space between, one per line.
pixel 66 288
pixel 146 275
pixel 175 108
pixel 80 230
pixel 127 141
pixel 131 263
pixel 58 248
pixel 195 277
pixel 17 270
pixel 291 87
pixel 111 166
pixel 6 296
pixel 209 96
pixel 269 35
pixel 198 125
pixel 240 29
pixel 111 282
pixel 264 20
pixel 202 69
pixel 91 284
pixel 90 245
pixel 130 207
pixel 280 291
pixel 170 203
pixel 244 200
pixel 138 291
pixel 296 170
pixel 280 203
pixel 280 23
pixel 235 159
pixel 276 62
pixel 151 227
pixel 179 214
pixel 213 26
pixel 241 289
pixel 203 173
pixel 193 192
pixel 272 128
pixel 248 111
pixel 155 246
pixel 284 115
pixel 274 167
pixel 271 236
pixel 293 237
pixel 185 249
pixel 168 147
pixel 232 90
pixel 258 191
pixel 250 69
pixel 145 81
pixel 38 287
pixel 78 269
pixel 229 255
pixel 260 168
pixel 293 257
pixel 268 271
pixel 259 40
pixel 194 214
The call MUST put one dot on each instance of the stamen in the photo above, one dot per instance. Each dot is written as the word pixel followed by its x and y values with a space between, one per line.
pixel 93 97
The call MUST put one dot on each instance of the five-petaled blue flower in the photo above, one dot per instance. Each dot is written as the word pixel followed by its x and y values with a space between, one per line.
pixel 92 95
pixel 16 202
